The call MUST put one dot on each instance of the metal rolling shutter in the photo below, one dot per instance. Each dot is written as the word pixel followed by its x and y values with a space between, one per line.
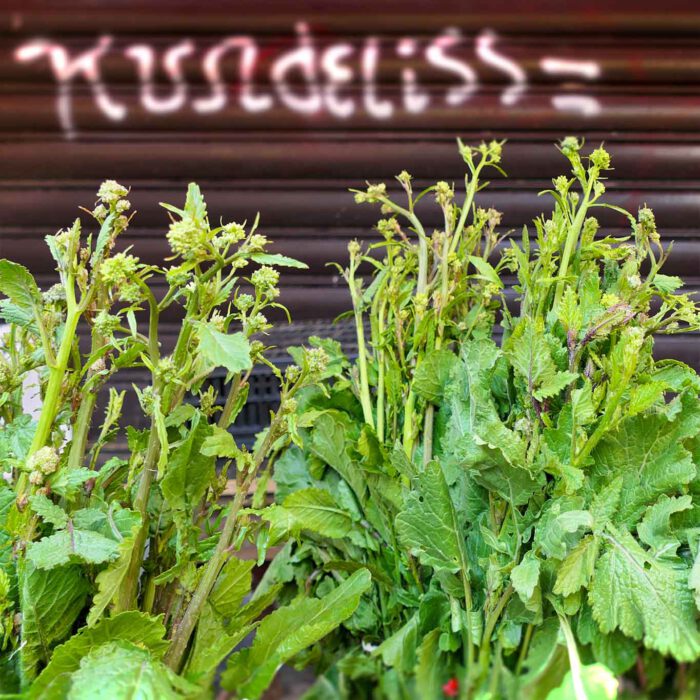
pixel 626 73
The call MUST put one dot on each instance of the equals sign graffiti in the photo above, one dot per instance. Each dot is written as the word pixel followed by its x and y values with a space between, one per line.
pixel 589 70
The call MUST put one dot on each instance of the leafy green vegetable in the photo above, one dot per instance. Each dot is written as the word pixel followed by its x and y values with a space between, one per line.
pixel 528 508
pixel 121 577
pixel 287 631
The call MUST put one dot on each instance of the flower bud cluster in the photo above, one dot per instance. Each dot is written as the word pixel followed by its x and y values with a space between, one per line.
pixel 111 192
pixel 265 280
pixel 189 239
pixel 373 194
pixel 230 234
pixel 105 323
pixel 42 463
pixel 119 269
pixel 600 158
pixel 316 360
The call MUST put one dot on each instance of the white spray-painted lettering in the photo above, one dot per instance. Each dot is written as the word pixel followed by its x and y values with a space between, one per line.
pixel 339 78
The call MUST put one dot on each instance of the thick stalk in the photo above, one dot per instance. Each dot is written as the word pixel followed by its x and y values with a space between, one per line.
pixel 181 632
pixel 83 421
pixel 126 598
pixel 380 376
pixel 408 431
pixel 51 402
pixel 485 650
pixel 574 660
pixel 428 433
pixel 365 398
pixel 225 417
pixel 466 207
pixel 81 427
pixel 571 242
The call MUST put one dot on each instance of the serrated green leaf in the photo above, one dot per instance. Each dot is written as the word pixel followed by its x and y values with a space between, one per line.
pixel 474 437
pixel 17 283
pixel 329 441
pixel 289 630
pixel 576 570
pixel 433 373
pixel 309 509
pixel 428 524
pixel 560 530
pixel 231 587
pixel 605 503
pixel 486 271
pixel 11 313
pixel 529 353
pixel 526 576
pixel 189 471
pixel 194 203
pixel 16 437
pixel 102 238
pixel 648 452
pixel 645 598
pixel 48 511
pixel 68 482
pixel 667 283
pixel 656 531
pixel 71 545
pixel 582 408
pixel 124 671
pixel 51 602
pixel 131 626
pixel 229 350
pixel 110 579
pixel 220 444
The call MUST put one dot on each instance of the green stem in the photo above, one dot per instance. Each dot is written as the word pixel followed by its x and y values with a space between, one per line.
pixel 408 431
pixel 485 650
pixel 225 417
pixel 574 660
pixel 126 598
pixel 365 399
pixel 466 208
pixel 571 242
pixel 601 428
pixel 83 420
pixel 182 631
pixel 51 403
pixel 523 650
pixel 428 433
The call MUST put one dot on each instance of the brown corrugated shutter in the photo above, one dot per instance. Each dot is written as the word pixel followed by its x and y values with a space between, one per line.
pixel 627 73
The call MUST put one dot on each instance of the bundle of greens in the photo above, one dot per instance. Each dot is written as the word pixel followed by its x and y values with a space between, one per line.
pixel 125 576
pixel 529 509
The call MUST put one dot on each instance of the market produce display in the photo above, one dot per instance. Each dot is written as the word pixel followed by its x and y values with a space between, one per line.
pixel 528 506
pixel 126 578
pixel 499 497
